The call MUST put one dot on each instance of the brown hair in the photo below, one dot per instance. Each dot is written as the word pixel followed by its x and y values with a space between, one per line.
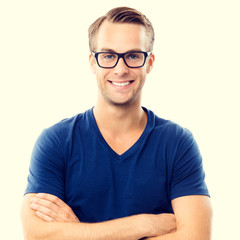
pixel 121 15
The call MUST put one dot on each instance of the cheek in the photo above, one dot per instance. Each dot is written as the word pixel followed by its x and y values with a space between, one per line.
pixel 101 74
pixel 143 71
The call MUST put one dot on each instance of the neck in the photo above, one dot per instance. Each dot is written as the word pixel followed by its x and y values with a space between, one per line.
pixel 118 120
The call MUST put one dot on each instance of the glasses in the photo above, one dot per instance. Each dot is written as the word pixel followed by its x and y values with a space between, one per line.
pixel 133 59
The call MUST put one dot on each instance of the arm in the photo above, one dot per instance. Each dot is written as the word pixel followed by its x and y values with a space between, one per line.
pixel 50 219
pixel 193 216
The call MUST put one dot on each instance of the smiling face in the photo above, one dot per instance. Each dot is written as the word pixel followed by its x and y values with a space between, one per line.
pixel 121 85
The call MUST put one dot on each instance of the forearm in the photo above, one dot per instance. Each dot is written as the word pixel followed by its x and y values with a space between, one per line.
pixel 124 228
pixel 50 218
pixel 193 218
pixel 169 236
pixel 182 236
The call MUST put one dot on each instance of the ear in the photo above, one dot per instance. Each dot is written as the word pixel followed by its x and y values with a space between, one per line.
pixel 150 62
pixel 92 63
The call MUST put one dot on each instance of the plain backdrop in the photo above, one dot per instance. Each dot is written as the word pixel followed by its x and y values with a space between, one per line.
pixel 45 77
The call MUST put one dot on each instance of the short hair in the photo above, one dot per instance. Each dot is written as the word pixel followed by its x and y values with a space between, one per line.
pixel 121 15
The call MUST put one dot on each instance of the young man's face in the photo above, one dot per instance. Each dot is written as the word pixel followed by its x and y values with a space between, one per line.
pixel 121 85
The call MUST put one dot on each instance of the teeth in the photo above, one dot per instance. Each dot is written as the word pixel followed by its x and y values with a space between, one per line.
pixel 121 84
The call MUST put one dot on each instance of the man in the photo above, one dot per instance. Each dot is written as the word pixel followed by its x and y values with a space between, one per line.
pixel 117 171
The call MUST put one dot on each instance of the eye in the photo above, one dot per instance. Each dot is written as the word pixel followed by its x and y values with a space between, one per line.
pixel 133 56
pixel 108 56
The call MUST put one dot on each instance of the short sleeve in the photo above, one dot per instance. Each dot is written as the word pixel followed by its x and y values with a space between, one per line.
pixel 46 171
pixel 188 177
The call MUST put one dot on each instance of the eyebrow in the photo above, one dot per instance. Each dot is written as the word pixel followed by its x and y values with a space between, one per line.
pixel 111 50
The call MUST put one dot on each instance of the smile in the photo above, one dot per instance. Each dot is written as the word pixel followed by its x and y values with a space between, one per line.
pixel 121 84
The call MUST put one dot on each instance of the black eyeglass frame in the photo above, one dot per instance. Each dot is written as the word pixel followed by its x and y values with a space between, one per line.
pixel 121 55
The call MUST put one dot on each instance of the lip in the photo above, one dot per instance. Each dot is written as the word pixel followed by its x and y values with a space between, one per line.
pixel 121 82
pixel 123 87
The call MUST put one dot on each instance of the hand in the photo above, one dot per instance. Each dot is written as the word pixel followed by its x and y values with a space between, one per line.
pixel 52 209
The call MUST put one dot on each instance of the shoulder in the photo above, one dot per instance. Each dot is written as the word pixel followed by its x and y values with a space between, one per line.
pixel 172 137
pixel 168 128
pixel 67 125
pixel 63 131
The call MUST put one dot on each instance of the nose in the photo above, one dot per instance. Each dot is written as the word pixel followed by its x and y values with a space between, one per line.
pixel 121 68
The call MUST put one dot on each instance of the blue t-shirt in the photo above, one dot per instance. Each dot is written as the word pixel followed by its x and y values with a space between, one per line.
pixel 73 161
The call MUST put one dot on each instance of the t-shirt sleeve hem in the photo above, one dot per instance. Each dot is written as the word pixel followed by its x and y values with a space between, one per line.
pixel 48 191
pixel 189 194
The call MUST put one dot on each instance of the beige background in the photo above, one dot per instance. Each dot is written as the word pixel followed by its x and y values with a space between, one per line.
pixel 45 77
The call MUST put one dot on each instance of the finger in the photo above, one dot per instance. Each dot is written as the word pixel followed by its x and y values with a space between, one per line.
pixel 51 198
pixel 44 211
pixel 44 217
pixel 62 211
pixel 45 203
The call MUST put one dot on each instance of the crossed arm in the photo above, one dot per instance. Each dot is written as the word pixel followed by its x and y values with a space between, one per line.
pixel 45 216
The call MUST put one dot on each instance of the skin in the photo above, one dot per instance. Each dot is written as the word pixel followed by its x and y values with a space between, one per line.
pixel 45 216
pixel 121 105
pixel 193 220
pixel 107 38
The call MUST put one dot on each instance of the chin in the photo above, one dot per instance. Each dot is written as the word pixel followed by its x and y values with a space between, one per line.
pixel 126 103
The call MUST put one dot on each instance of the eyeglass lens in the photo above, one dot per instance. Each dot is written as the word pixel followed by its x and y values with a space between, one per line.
pixel 132 59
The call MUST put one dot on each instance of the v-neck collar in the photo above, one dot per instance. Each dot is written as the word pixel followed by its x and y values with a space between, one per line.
pixel 135 146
